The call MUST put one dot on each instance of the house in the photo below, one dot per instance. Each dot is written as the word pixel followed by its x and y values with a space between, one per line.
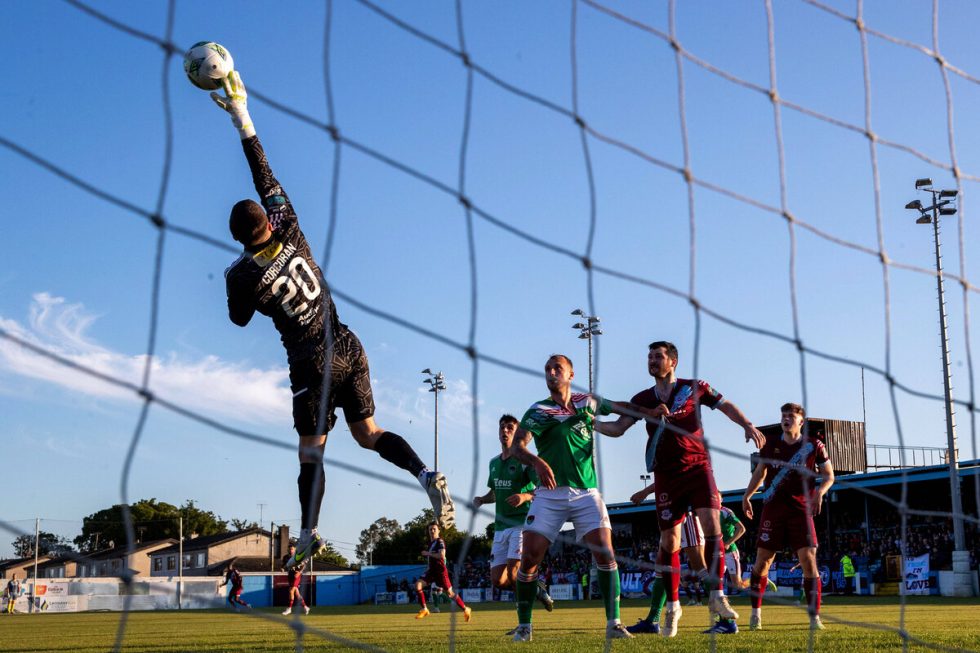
pixel 105 563
pixel 206 551
pixel 22 567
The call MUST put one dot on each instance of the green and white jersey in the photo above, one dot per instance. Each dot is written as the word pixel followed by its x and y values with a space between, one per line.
pixel 565 438
pixel 729 523
pixel 509 477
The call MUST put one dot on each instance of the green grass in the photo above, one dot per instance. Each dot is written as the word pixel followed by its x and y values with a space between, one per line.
pixel 572 627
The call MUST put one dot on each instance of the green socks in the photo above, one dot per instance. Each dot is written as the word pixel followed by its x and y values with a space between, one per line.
pixel 658 600
pixel 609 588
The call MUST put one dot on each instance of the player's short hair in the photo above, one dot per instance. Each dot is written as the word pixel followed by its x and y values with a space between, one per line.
pixel 433 523
pixel 507 418
pixel 790 407
pixel 666 344
pixel 247 221
pixel 563 356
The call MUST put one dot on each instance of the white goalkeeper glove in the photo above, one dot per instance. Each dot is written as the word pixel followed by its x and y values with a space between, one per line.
pixel 235 103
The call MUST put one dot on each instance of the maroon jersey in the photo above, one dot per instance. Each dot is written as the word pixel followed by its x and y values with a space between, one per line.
pixel 677 449
pixel 436 562
pixel 785 484
pixel 234 578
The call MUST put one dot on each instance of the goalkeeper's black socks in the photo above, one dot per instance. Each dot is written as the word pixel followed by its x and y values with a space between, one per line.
pixel 393 448
pixel 311 485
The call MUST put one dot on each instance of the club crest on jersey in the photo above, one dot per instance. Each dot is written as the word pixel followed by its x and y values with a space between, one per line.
pixel 665 514
pixel 764 537
pixel 530 520
pixel 512 469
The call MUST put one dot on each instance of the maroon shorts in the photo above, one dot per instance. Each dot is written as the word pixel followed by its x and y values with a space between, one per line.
pixel 785 525
pixel 689 490
pixel 236 591
pixel 438 577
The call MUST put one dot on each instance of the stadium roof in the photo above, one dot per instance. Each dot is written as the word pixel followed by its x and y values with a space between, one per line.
pixel 968 468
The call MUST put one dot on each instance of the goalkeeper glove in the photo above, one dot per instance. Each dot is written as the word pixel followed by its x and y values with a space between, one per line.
pixel 235 103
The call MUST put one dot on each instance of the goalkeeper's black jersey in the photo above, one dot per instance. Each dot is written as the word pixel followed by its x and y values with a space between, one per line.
pixel 282 280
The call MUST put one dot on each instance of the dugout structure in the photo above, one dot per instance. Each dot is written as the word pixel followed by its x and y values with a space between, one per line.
pixel 845 441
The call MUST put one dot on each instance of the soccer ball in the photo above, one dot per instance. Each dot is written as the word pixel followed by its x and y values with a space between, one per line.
pixel 206 64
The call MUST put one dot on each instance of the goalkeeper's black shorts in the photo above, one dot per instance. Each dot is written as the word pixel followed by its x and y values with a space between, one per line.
pixel 349 389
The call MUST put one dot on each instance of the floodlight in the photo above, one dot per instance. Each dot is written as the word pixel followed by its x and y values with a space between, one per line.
pixel 583 336
pixel 578 311
pixel 947 210
pixel 578 325
pixel 948 193
pixel 427 371
pixel 924 220
pixel 915 205
pixel 922 183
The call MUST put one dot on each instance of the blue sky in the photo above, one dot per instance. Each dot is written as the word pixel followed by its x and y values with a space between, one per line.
pixel 78 274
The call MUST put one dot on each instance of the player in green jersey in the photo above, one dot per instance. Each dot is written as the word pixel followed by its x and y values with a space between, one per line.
pixel 511 486
pixel 562 427
pixel 732 529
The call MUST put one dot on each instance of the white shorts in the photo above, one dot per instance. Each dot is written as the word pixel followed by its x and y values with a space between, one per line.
pixel 733 563
pixel 691 533
pixel 552 508
pixel 506 545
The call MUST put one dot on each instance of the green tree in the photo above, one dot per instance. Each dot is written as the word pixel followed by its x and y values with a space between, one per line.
pixel 243 524
pixel 382 530
pixel 332 556
pixel 152 520
pixel 46 543
pixel 406 546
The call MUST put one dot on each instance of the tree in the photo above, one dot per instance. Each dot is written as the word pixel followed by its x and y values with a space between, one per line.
pixel 46 543
pixel 405 546
pixel 152 520
pixel 382 530
pixel 331 556
pixel 243 525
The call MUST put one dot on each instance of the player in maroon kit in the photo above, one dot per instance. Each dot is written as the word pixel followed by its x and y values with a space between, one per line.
pixel 295 576
pixel 684 479
pixel 789 505
pixel 437 574
pixel 234 577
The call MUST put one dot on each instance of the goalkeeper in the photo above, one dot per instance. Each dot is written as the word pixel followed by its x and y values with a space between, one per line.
pixel 277 276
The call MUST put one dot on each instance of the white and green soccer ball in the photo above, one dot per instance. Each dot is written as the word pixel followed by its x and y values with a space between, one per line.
pixel 207 63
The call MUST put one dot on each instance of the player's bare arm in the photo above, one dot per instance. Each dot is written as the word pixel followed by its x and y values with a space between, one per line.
pixel 641 495
pixel 489 497
pixel 758 476
pixel 739 532
pixel 515 500
pixel 816 500
pixel 518 449
pixel 734 413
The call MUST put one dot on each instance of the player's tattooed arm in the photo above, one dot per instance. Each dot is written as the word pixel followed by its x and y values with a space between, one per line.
pixel 827 475
pixel 486 498
pixel 519 450
pixel 626 412
pixel 734 413
pixel 758 476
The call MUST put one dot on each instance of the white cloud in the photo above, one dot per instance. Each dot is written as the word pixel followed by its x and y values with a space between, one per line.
pixel 206 385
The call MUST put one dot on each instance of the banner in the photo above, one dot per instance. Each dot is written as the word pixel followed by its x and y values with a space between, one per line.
pixel 916 574
pixel 562 592
pixel 401 598
pixel 635 582
pixel 472 595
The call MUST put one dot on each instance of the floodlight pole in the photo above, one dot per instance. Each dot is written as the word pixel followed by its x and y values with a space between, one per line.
pixel 940 199
pixel 587 330
pixel 437 383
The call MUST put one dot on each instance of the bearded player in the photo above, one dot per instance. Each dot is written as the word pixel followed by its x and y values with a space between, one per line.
pixel 437 574
pixel 789 461
pixel 277 276
pixel 562 427
pixel 511 486
pixel 683 475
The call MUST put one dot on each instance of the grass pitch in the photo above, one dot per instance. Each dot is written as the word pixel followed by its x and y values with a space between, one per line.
pixel 572 627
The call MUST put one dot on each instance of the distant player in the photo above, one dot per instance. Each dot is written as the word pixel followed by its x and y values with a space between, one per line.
pixel 277 276
pixel 789 505
pixel 234 577
pixel 511 486
pixel 732 529
pixel 683 475
pixel 12 591
pixel 562 427
pixel 295 576
pixel 437 574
